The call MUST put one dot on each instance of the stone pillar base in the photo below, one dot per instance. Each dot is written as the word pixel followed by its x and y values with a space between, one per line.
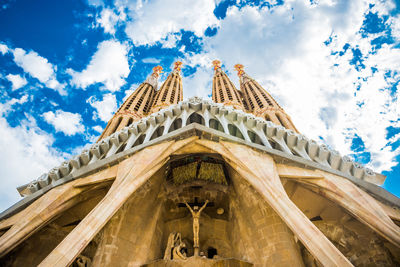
pixel 199 262
pixel 196 251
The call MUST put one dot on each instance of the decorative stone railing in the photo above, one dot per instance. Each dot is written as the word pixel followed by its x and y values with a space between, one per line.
pixel 212 115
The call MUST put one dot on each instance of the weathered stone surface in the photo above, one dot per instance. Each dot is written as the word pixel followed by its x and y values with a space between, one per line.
pixel 362 249
pixel 260 171
pixel 199 262
pixel 260 235
pixel 128 236
pixel 35 248
pixel 253 218
pixel 233 122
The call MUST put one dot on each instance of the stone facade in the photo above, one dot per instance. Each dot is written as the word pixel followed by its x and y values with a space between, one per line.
pixel 263 195
pixel 248 229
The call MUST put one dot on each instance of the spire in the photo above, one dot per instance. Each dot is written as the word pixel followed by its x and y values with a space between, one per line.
pixel 153 78
pixel 223 90
pixel 177 67
pixel 260 102
pixel 170 91
pixel 136 106
pixel 217 65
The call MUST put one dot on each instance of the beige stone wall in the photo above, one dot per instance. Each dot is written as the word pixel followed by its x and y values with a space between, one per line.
pixel 249 229
pixel 200 262
pixel 361 245
pixel 33 250
pixel 358 243
pixel 253 232
pixel 259 235
pixel 131 237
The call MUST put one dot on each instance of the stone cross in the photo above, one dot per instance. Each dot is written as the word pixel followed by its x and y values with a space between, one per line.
pixel 196 212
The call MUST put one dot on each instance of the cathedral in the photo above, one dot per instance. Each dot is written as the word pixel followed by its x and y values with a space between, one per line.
pixel 224 182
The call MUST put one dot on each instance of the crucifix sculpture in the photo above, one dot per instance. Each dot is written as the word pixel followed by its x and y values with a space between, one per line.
pixel 196 212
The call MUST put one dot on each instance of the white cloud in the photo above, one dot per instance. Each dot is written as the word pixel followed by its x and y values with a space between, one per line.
pixel 98 128
pixel 7 106
pixel 283 49
pixel 66 122
pixel 16 80
pixel 198 84
pixel 105 108
pixel 39 68
pixel 96 3
pixel 171 40
pixel 203 60
pixel 151 60
pixel 108 19
pixel 395 25
pixel 154 21
pixel 109 65
pixel 25 145
pixel 3 49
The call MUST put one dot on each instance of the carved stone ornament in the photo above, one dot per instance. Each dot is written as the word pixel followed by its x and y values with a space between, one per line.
pixel 175 249
pixel 82 261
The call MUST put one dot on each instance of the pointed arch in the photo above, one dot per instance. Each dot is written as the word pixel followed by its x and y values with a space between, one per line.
pixel 254 137
pixel 234 131
pixel 140 140
pixel 158 132
pixel 216 125
pixel 196 118
pixel 177 124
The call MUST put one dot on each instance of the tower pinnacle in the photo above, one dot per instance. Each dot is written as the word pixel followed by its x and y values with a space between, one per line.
pixel 177 66
pixel 243 77
pixel 153 78
pixel 260 102
pixel 157 70
pixel 217 64
pixel 223 89
pixel 239 69
pixel 170 91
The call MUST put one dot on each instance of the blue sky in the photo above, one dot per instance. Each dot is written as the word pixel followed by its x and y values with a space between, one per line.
pixel 66 66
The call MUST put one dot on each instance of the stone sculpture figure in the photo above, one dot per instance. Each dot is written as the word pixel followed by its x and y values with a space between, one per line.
pixel 83 261
pixel 178 252
pixel 172 238
pixel 175 247
pixel 196 212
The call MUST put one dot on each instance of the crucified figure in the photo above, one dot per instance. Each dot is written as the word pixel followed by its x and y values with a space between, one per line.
pixel 196 225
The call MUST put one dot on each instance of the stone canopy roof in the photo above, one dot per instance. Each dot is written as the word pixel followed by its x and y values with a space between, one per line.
pixel 218 120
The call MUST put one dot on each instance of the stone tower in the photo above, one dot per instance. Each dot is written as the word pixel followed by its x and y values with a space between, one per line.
pixel 199 183
pixel 170 91
pixel 260 102
pixel 223 90
pixel 137 105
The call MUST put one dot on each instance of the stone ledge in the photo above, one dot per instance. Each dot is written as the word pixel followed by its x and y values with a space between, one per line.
pixel 199 262
pixel 253 130
pixel 210 134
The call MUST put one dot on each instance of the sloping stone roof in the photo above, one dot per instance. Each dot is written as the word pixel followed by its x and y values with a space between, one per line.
pixel 216 116
pixel 211 121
